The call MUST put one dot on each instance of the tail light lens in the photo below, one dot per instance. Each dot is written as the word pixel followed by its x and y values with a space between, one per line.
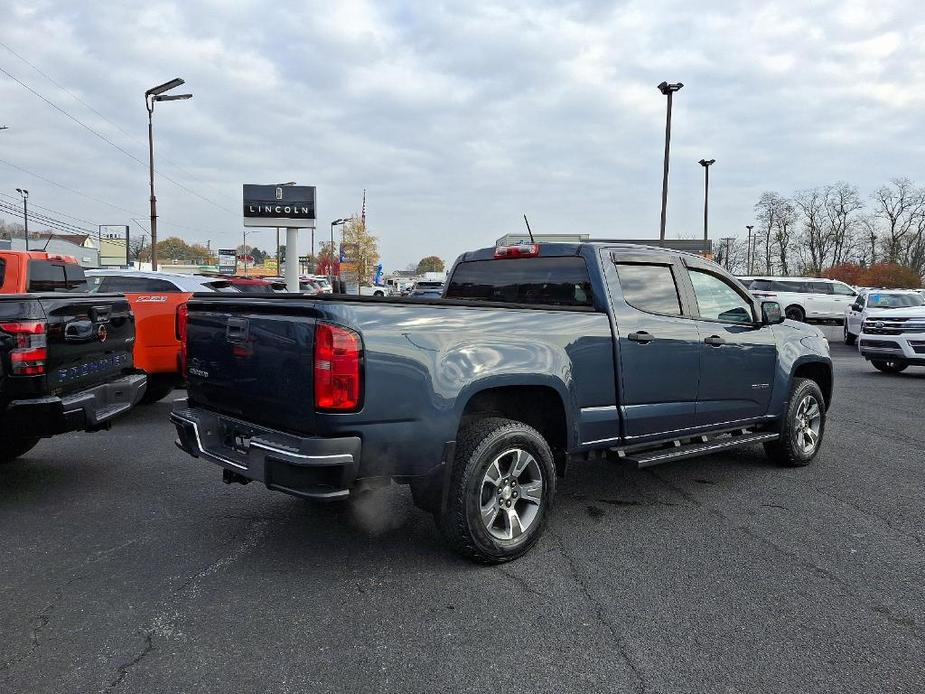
pixel 30 347
pixel 338 352
pixel 182 317
pixel 521 250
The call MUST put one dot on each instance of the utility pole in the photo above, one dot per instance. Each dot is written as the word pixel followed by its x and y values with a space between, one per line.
pixel 25 213
pixel 748 253
pixel 668 90
pixel 706 164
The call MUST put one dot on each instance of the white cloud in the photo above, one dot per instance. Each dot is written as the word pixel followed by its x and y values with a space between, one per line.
pixel 459 117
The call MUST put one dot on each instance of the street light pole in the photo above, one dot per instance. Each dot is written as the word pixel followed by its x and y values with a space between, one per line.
pixel 749 254
pixel 25 213
pixel 668 90
pixel 343 220
pixel 152 95
pixel 706 164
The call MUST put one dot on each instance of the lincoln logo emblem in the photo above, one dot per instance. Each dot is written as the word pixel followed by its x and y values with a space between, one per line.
pixel 279 193
pixel 102 333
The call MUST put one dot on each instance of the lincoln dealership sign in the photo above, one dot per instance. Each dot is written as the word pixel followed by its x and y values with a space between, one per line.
pixel 279 206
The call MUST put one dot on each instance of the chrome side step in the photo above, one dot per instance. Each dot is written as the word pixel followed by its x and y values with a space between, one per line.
pixel 700 446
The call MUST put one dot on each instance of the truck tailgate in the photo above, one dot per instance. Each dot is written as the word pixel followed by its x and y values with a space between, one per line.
pixel 90 339
pixel 252 364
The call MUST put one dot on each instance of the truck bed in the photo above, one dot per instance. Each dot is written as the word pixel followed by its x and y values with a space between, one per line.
pixel 422 361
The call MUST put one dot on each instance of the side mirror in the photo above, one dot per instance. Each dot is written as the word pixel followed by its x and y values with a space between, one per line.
pixel 855 307
pixel 771 313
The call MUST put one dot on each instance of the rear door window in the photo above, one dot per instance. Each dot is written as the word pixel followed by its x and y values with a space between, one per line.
pixel 552 281
pixel 650 288
pixel 821 287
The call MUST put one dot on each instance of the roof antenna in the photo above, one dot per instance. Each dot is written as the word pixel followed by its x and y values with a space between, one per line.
pixel 527 222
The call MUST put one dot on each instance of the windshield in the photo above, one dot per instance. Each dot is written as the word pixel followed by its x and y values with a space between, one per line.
pixel 882 300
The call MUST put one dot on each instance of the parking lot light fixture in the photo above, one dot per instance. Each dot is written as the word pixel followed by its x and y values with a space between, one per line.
pixel 151 95
pixel 668 90
pixel 336 222
pixel 706 164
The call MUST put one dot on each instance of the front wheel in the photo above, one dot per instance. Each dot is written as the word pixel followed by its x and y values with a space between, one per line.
pixel 850 338
pixel 15 448
pixel 803 427
pixel 891 366
pixel 501 488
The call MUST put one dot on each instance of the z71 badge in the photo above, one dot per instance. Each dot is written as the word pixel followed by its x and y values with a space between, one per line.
pixel 151 299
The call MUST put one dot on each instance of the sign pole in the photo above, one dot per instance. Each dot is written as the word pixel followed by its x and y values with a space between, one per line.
pixel 292 260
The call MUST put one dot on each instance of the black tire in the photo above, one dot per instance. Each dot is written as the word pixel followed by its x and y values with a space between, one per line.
pixel 795 313
pixel 156 391
pixel 378 293
pixel 16 447
pixel 891 366
pixel 479 446
pixel 850 339
pixel 788 450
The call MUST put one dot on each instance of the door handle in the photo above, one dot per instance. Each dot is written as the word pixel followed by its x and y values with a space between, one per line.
pixel 642 337
pixel 714 341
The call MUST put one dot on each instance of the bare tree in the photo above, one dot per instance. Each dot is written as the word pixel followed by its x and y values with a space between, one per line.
pixel 870 231
pixel 785 220
pixel 842 207
pixel 766 216
pixel 816 243
pixel 898 204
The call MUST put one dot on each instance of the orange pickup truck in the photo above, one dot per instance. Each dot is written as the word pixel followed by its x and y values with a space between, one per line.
pixel 154 298
pixel 29 272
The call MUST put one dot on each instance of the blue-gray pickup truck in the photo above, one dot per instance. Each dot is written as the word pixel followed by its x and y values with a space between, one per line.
pixel 537 357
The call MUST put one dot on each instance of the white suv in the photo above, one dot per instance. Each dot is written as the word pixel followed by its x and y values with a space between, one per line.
pixel 804 297
pixel 895 339
pixel 875 302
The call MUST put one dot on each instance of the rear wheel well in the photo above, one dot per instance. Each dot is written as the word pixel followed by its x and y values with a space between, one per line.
pixel 821 374
pixel 539 406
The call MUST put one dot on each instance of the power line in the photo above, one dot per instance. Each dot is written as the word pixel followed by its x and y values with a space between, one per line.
pixel 88 106
pixel 43 219
pixel 104 202
pixel 53 211
pixel 110 142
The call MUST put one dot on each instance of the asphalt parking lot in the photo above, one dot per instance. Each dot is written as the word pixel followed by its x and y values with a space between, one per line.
pixel 128 566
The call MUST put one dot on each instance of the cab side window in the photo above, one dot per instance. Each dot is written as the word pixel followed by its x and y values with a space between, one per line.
pixel 650 288
pixel 717 300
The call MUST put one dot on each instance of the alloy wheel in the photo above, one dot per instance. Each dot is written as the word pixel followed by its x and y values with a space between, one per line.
pixel 808 424
pixel 511 494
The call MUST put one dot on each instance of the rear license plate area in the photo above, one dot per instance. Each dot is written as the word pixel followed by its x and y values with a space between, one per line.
pixel 236 438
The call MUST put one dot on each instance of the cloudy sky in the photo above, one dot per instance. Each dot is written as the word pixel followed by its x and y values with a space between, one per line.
pixel 458 117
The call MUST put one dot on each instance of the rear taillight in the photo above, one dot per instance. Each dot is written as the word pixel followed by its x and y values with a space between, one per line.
pixel 338 352
pixel 182 317
pixel 30 347
pixel 521 250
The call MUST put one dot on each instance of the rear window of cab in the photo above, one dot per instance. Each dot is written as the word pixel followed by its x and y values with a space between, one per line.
pixel 547 281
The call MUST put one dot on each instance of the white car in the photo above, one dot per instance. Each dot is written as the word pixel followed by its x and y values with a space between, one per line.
pixel 123 281
pixel 877 302
pixel 894 340
pixel 804 298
